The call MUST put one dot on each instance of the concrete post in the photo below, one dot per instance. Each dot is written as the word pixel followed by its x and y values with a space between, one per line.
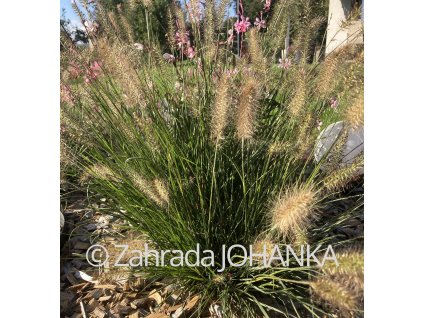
pixel 338 12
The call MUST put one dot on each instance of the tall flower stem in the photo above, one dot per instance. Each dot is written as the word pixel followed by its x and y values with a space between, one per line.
pixel 148 37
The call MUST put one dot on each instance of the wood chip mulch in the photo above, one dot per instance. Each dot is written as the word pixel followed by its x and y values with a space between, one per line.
pixel 86 291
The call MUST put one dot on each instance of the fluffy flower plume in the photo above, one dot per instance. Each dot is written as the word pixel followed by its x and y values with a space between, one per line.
pixel 148 188
pixel 147 3
pixel 161 191
pixel 298 100
pixel 355 113
pixel 329 73
pixel 220 110
pixel 351 263
pixel 194 10
pixel 263 246
pixel 99 171
pixel 340 287
pixel 337 294
pixel 246 110
pixel 256 53
pixel 279 147
pixel 339 178
pixel 294 209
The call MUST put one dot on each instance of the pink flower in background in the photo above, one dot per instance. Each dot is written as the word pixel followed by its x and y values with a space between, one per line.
pixel 190 52
pixel 169 57
pixel 96 67
pixel 91 27
pixel 65 94
pixel 333 103
pixel 74 70
pixel 267 5
pixel 319 124
pixel 93 72
pixel 232 72
pixel 243 25
pixel 181 39
pixel 285 63
pixel 261 24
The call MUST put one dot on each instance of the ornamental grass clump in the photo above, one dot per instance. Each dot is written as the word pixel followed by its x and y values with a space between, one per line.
pixel 197 143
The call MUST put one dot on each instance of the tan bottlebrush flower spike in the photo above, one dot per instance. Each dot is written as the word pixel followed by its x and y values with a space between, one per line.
pixel 220 110
pixel 294 209
pixel 339 178
pixel 351 262
pixel 298 100
pixel 261 246
pixel 330 69
pixel 149 188
pixel 99 171
pixel 355 113
pixel 256 53
pixel 161 190
pixel 246 110
pixel 337 294
pixel 342 287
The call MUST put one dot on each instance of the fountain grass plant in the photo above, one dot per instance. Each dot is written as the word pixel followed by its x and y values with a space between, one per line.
pixel 199 145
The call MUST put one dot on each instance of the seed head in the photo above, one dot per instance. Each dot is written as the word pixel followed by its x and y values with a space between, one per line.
pixel 294 209
pixel 337 294
pixel 355 113
pixel 220 110
pixel 340 178
pixel 246 111
pixel 297 103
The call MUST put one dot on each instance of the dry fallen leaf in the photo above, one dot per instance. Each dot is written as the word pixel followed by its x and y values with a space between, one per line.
pixel 178 313
pixel 85 276
pixel 104 298
pixel 99 312
pixel 192 303
pixel 157 315
pixel 156 296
